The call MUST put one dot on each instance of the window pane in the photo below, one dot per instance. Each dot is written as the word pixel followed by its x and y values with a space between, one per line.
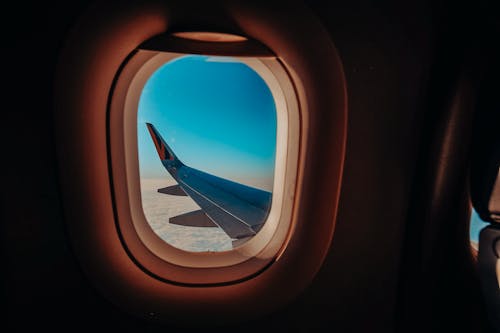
pixel 206 142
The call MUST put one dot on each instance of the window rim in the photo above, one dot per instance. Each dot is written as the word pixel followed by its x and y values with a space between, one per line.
pixel 155 255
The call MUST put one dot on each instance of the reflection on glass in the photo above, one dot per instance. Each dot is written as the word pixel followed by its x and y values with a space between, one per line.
pixel 206 141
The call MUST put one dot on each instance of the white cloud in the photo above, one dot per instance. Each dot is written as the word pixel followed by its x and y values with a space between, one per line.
pixel 158 208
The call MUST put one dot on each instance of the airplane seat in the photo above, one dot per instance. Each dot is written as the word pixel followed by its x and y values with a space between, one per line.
pixel 489 270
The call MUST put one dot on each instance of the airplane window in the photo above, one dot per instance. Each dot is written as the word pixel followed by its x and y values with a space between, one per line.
pixel 206 130
pixel 201 149
pixel 475 226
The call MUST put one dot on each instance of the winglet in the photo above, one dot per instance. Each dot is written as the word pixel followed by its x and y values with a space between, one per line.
pixel 164 151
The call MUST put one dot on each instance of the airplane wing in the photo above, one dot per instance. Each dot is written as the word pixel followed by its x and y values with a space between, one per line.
pixel 237 209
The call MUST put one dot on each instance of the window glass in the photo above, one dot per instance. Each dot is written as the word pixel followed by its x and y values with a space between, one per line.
pixel 206 143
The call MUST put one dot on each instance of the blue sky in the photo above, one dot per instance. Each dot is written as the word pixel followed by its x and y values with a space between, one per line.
pixel 217 115
pixel 476 224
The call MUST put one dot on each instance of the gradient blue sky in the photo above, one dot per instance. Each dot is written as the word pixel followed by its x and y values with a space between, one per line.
pixel 216 113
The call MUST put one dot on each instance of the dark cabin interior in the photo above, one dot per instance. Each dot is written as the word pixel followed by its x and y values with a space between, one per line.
pixel 422 113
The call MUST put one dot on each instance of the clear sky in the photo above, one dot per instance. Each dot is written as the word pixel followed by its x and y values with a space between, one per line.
pixel 216 113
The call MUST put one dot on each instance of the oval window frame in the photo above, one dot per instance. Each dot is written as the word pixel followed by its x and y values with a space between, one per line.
pixel 148 250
